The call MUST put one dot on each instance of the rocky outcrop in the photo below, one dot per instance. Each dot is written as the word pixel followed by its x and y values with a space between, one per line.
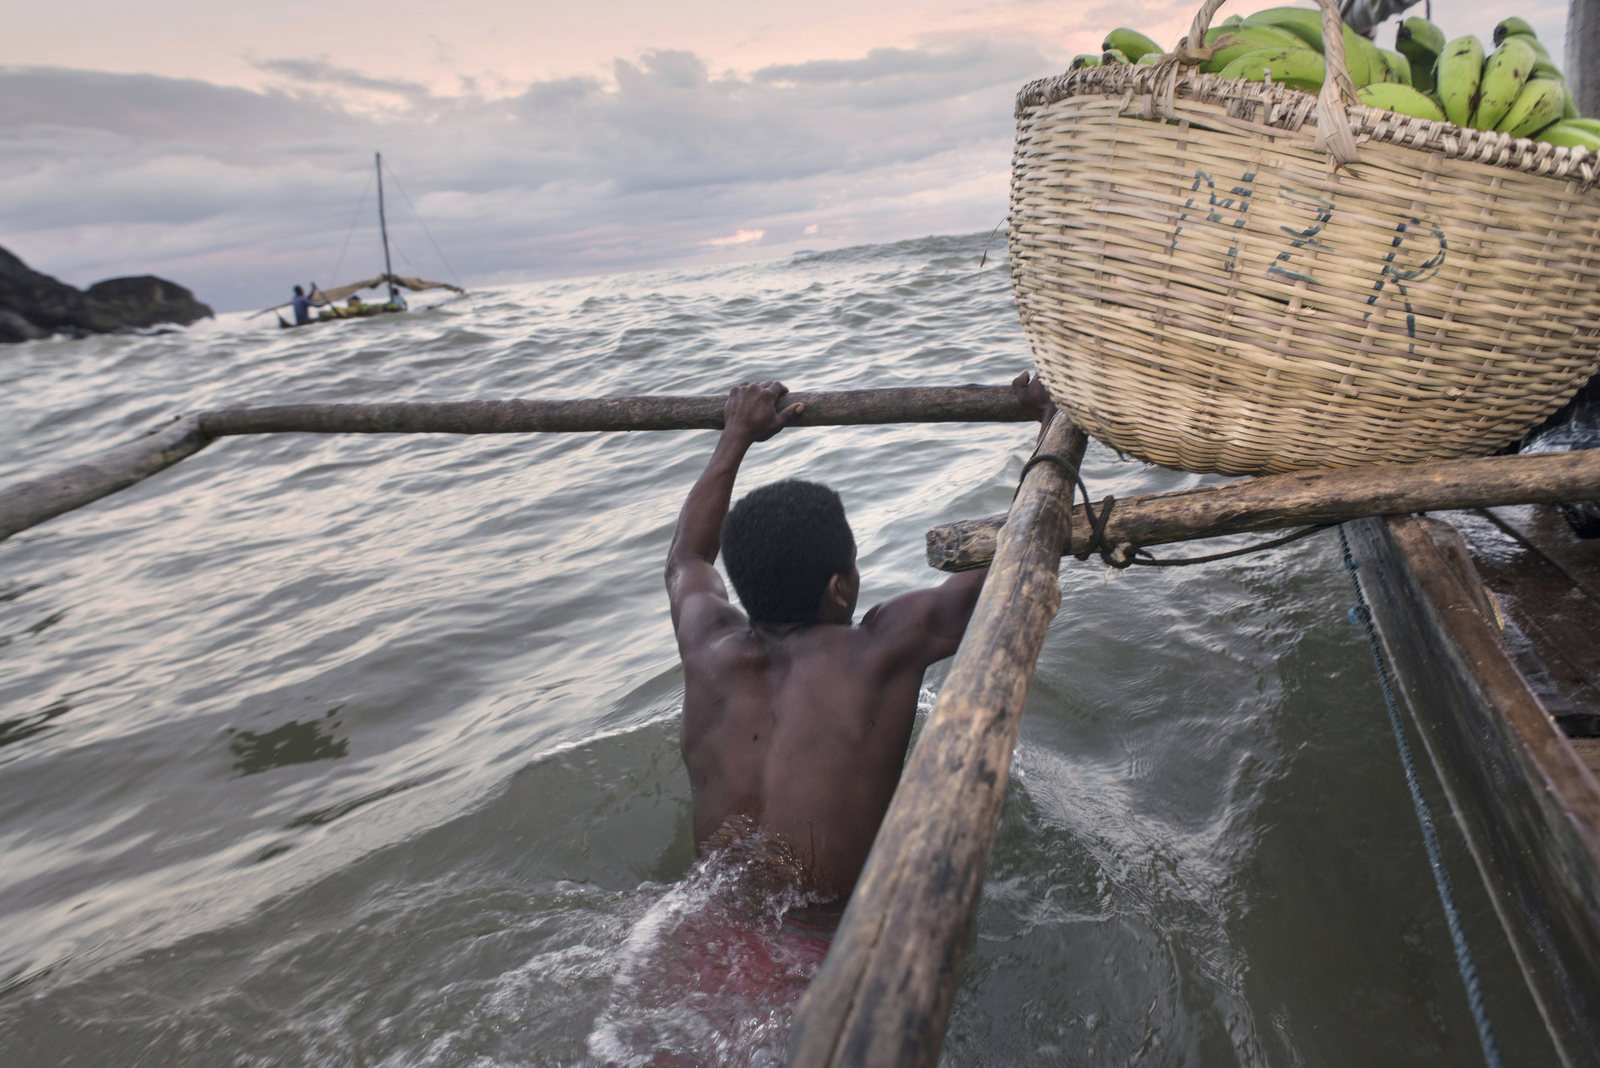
pixel 39 299
pixel 143 301
pixel 34 305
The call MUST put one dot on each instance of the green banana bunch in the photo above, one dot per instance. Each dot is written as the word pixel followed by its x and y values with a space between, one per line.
pixel 1399 67
pixel 1130 43
pixel 1085 60
pixel 1568 135
pixel 1231 42
pixel 1537 106
pixel 1420 41
pixel 1504 75
pixel 1592 125
pixel 1400 98
pixel 1302 68
pixel 1511 27
pixel 1112 55
pixel 1456 78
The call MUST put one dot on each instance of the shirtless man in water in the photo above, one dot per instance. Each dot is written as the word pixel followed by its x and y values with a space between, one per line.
pixel 795 719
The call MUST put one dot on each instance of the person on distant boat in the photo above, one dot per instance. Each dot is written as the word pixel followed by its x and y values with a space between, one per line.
pixel 396 301
pixel 795 719
pixel 302 306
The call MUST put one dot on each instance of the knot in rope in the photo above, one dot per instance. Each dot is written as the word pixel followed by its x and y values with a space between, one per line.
pixel 1120 556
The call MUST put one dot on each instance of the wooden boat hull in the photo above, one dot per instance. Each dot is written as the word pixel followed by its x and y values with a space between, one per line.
pixel 1523 796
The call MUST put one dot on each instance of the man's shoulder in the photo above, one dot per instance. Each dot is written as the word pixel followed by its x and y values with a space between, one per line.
pixel 911 609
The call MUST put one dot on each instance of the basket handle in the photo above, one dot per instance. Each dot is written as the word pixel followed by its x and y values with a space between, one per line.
pixel 1334 133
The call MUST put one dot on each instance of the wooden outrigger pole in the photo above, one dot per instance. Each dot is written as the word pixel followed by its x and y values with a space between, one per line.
pixel 27 504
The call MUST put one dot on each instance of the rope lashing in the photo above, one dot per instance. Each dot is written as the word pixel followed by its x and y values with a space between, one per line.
pixel 1097 531
pixel 1122 555
pixel 1119 556
pixel 1361 614
pixel 1068 468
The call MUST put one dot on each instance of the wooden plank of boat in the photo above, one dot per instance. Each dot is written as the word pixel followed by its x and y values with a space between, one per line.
pixel 1524 798
pixel 1550 611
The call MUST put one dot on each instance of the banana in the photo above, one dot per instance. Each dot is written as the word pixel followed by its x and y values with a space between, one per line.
pixel 1504 75
pixel 1456 78
pixel 1112 55
pixel 1420 41
pixel 1532 41
pixel 1301 68
pixel 1400 98
pixel 1398 65
pixel 1085 60
pixel 1566 135
pixel 1149 59
pixel 1231 42
pixel 1543 66
pixel 1362 60
pixel 1130 43
pixel 1569 109
pixel 1511 27
pixel 1305 23
pixel 1361 57
pixel 1539 105
pixel 1592 125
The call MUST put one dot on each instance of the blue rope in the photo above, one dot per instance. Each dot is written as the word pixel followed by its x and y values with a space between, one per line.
pixel 1361 614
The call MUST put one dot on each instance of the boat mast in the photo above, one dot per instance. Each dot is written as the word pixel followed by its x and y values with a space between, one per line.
pixel 383 226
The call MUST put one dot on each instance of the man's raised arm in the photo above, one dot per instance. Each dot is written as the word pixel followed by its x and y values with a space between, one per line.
pixel 751 415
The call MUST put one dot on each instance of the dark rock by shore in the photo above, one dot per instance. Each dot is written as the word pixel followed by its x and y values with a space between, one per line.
pixel 34 305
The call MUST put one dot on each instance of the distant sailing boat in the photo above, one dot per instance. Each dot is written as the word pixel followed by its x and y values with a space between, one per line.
pixel 328 299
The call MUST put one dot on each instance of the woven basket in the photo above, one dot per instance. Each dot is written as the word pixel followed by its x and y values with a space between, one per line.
pixel 1207 285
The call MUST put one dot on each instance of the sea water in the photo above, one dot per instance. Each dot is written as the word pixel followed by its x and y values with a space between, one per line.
pixel 363 749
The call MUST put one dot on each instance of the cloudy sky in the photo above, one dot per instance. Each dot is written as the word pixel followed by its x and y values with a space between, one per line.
pixel 229 146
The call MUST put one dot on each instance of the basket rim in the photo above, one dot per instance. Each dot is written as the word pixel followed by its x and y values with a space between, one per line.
pixel 1282 107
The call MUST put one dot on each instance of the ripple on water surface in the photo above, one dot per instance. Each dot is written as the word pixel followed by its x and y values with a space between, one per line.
pixel 363 750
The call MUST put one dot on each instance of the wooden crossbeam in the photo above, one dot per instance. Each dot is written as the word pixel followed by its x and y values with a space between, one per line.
pixel 27 504
pixel 1325 495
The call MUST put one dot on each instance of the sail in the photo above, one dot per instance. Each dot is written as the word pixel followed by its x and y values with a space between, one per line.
pixel 333 296
pixel 338 293
pixel 419 284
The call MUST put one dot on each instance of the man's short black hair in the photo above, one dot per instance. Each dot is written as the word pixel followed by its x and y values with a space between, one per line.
pixel 298 291
pixel 782 543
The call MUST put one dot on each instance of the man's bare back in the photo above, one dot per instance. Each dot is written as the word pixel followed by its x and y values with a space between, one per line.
pixel 796 725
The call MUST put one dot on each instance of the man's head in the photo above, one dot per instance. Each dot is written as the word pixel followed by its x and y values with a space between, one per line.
pixel 791 555
pixel 299 292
